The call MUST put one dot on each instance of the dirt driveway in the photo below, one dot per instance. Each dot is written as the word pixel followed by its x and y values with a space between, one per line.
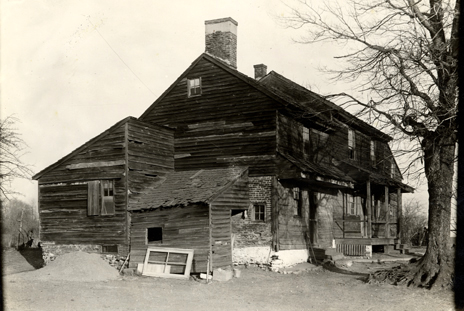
pixel 254 290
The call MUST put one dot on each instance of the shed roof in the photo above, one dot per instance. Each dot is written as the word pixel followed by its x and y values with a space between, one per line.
pixel 187 187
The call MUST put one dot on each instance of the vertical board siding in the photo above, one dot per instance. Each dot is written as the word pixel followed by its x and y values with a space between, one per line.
pixel 236 197
pixel 231 123
pixel 183 227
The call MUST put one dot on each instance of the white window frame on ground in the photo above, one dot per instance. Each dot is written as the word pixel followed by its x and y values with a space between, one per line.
pixel 194 87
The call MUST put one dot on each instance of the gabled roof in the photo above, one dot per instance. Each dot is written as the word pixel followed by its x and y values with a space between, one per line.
pixel 313 102
pixel 187 187
pixel 284 102
pixel 90 143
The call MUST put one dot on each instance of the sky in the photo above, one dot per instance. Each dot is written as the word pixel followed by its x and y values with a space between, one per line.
pixel 71 69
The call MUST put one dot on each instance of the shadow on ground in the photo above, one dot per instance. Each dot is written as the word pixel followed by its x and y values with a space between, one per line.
pixel 359 276
pixel 33 256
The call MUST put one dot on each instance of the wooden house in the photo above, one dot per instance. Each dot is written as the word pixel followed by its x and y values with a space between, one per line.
pixel 318 176
pixel 189 210
pixel 83 198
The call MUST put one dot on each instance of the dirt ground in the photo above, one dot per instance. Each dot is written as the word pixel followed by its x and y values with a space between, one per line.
pixel 256 289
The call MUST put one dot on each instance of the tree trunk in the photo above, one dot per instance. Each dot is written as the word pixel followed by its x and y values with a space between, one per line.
pixel 436 266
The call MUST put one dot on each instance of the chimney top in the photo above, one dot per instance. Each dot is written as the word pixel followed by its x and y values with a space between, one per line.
pixel 260 71
pixel 221 20
pixel 221 39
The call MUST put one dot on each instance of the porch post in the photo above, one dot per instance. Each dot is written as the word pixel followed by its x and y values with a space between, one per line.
pixel 399 213
pixel 387 216
pixel 275 214
pixel 369 209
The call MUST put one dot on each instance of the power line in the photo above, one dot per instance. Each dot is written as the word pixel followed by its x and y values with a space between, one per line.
pixel 109 45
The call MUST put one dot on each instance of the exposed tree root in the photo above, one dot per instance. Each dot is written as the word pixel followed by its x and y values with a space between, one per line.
pixel 418 274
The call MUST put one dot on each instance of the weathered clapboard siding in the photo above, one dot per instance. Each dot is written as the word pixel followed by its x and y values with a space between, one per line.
pixel 64 220
pixel 109 147
pixel 150 154
pixel 63 194
pixel 183 227
pixel 130 150
pixel 228 123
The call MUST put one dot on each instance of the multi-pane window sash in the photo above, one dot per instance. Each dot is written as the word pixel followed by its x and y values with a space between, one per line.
pixel 194 87
pixel 100 197
pixel 350 206
pixel 259 211
pixel 373 153
pixel 351 143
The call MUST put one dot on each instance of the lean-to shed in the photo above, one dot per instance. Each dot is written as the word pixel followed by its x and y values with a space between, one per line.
pixel 190 210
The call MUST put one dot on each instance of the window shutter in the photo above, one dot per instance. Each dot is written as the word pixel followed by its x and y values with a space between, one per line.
pixel 93 196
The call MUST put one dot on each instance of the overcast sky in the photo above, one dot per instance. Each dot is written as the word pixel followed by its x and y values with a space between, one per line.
pixel 72 69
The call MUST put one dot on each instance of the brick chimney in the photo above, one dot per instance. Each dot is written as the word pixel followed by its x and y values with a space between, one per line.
pixel 260 71
pixel 221 40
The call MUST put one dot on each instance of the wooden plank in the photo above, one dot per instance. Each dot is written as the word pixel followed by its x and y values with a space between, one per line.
pixel 95 164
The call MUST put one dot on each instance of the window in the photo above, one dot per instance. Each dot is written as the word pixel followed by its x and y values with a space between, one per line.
pixel 155 235
pixel 109 248
pixel 392 170
pixel 259 211
pixel 306 142
pixel 107 197
pixel 319 139
pixel 350 206
pixel 373 153
pixel 100 198
pixel 194 87
pixel 299 202
pixel 351 144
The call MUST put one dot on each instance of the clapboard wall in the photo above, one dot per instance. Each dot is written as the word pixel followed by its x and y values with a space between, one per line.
pixel 131 153
pixel 231 123
pixel 63 193
pixel 182 227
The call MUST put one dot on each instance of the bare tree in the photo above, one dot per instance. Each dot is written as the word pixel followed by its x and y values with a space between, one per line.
pixel 12 148
pixel 404 53
pixel 413 222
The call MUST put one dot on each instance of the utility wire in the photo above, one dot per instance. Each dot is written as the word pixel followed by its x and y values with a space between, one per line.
pixel 109 45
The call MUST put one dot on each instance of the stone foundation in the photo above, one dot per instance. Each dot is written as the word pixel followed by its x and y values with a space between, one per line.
pixel 264 255
pixel 50 251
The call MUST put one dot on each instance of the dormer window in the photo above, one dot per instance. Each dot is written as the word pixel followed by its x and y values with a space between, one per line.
pixel 351 144
pixel 373 161
pixel 194 87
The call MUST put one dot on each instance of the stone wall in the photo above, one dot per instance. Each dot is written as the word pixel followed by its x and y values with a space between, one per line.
pixel 264 255
pixel 260 190
pixel 247 232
